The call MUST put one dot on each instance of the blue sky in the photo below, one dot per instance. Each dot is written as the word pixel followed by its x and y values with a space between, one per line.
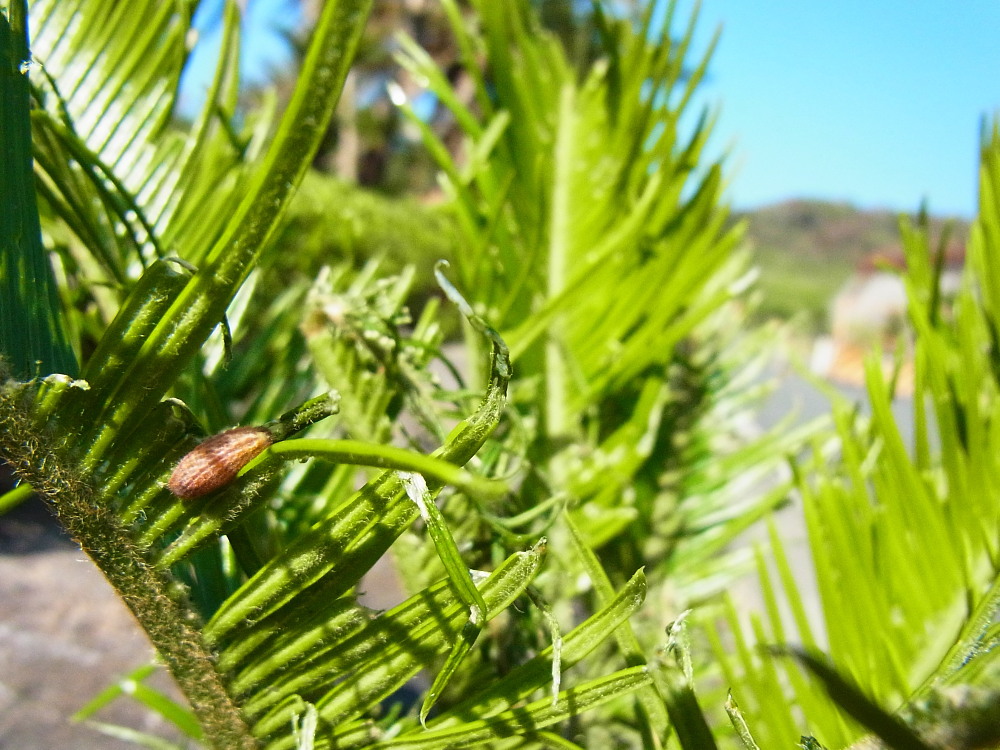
pixel 875 103
pixel 264 45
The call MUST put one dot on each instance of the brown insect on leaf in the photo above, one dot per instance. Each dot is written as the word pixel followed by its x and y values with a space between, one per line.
pixel 216 461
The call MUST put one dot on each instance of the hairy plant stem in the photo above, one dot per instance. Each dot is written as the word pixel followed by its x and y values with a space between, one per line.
pixel 156 600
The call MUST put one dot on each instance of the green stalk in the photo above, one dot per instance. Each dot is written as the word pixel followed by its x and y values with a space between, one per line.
pixel 359 453
pixel 352 452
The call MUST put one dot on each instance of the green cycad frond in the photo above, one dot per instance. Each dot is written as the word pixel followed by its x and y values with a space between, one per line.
pixel 130 183
pixel 595 236
pixel 903 536
pixel 259 627
pixel 33 331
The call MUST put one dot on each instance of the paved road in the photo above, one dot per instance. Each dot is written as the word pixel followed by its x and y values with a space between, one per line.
pixel 64 637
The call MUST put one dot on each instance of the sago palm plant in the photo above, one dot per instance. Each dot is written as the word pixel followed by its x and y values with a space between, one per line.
pixel 592 236
pixel 595 237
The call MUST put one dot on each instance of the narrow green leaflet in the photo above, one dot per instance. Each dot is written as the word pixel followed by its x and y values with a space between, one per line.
pixel 33 333
pixel 740 724
pixel 133 685
pixel 533 675
pixel 461 579
pixel 531 717
pixel 373 664
pixel 894 732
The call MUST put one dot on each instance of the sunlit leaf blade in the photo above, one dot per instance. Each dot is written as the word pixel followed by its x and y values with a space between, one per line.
pixel 373 664
pixel 534 674
pixel 461 580
pixel 655 697
pixel 528 718
pixel 889 728
pixel 12 498
pixel 134 736
pixel 133 685
pixel 740 724
pixel 675 680
pixel 33 338
pixel 107 695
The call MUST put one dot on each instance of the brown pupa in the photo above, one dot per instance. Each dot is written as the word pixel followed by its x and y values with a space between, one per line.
pixel 216 461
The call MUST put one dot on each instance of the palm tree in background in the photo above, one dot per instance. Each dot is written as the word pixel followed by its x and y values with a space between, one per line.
pixel 369 143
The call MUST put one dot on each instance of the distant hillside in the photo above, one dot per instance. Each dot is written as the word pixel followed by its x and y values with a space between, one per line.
pixel 807 249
